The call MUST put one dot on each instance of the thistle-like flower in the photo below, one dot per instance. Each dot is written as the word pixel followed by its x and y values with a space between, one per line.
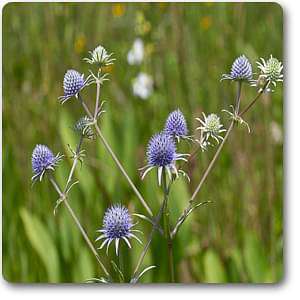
pixel 73 83
pixel 241 70
pixel 117 225
pixel 176 125
pixel 161 153
pixel 271 70
pixel 143 86
pixel 42 160
pixel 211 127
pixel 83 127
pixel 100 56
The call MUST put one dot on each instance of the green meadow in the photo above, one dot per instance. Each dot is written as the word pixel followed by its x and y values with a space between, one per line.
pixel 236 238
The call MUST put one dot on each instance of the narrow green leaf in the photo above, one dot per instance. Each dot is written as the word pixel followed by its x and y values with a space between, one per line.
pixel 213 268
pixel 255 258
pixel 42 242
pixel 84 266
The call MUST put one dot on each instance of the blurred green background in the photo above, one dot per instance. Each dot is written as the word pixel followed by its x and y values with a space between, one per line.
pixel 237 238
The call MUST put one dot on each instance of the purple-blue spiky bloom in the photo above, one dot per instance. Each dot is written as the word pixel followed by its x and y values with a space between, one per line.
pixel 117 224
pixel 42 160
pixel 161 150
pixel 176 124
pixel 73 83
pixel 161 153
pixel 241 70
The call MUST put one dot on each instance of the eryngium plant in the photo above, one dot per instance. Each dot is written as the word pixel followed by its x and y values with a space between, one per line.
pixel 271 70
pixel 241 70
pixel 211 127
pixel 162 154
pixel 73 83
pixel 83 128
pixel 176 125
pixel 117 226
pixel 43 160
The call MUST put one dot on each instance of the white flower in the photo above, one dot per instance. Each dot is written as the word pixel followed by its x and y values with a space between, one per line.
pixel 100 56
pixel 136 54
pixel 276 132
pixel 271 71
pixel 210 127
pixel 143 86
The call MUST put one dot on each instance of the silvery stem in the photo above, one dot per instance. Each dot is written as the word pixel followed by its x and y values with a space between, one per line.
pixel 185 213
pixel 167 230
pixel 75 161
pixel 208 169
pixel 143 254
pixel 238 98
pixel 97 100
pixel 211 164
pixel 107 146
pixel 85 236
pixel 182 218
pixel 121 260
pixel 254 100
pixel 114 157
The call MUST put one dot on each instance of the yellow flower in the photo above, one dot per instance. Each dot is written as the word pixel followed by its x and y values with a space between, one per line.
pixel 142 26
pixel 79 44
pixel 206 22
pixel 107 69
pixel 209 3
pixel 118 10
pixel 162 5
pixel 149 49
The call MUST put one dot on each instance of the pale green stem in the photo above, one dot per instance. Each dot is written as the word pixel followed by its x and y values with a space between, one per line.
pixel 116 160
pixel 208 169
pixel 85 236
pixel 212 162
pixel 167 231
pixel 182 218
pixel 75 161
pixel 121 259
pixel 97 100
pixel 143 254
pixel 254 100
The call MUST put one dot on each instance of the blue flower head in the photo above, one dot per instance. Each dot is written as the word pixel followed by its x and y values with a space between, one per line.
pixel 161 150
pixel 42 160
pixel 176 124
pixel 161 153
pixel 117 225
pixel 73 83
pixel 241 70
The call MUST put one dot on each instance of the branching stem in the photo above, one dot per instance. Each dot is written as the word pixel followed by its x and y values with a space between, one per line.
pixel 211 164
pixel 150 237
pixel 190 206
pixel 75 161
pixel 73 215
pixel 116 160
